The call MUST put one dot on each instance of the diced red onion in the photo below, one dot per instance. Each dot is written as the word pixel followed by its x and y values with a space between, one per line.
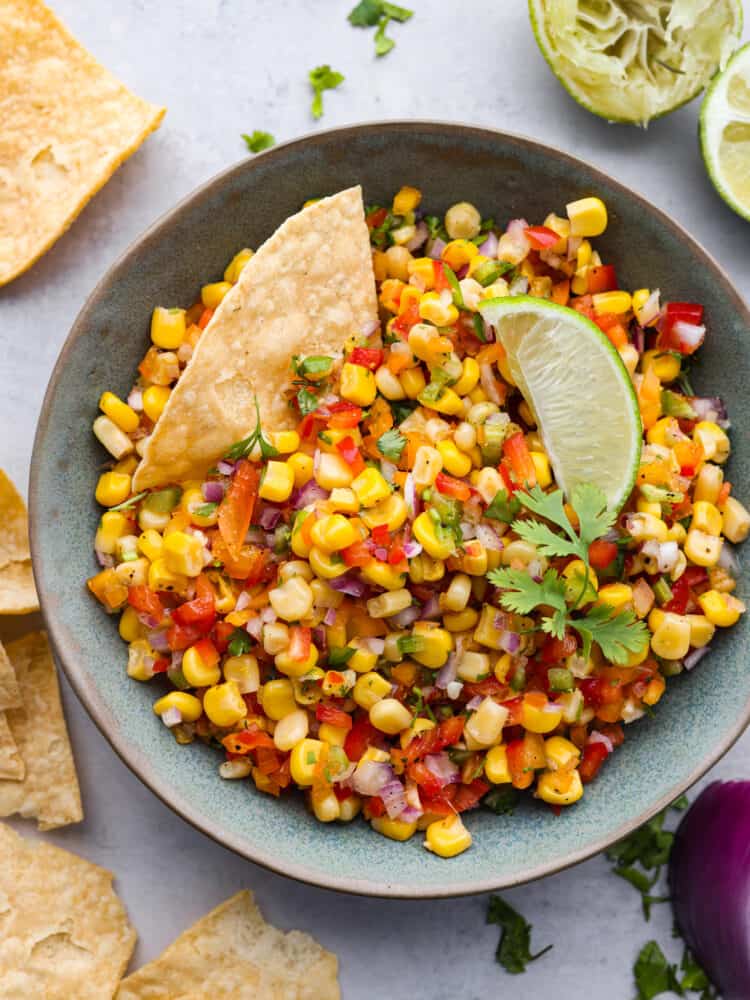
pixel 104 559
pixel 534 570
pixel 574 243
pixel 177 656
pixel 489 247
pixel 320 639
pixel 454 689
pixel 147 620
pixel 510 642
pixel 348 584
pixel 371 776
pixel 410 814
pixel 435 248
pixel 309 493
pixel 691 334
pixel 489 383
pixel 711 408
pixel 268 616
pixel 393 798
pixel 728 560
pixel 650 308
pixel 171 717
pixel 517 229
pixel 388 470
pixel 431 608
pixel 442 767
pixel 468 530
pixel 447 672
pixel 597 737
pixel 213 492
pixel 519 285
pixel 412 549
pixel 694 657
pixel 639 339
pixel 370 327
pixel 489 538
pixel 256 536
pixel 380 553
pixel 406 617
pixel 158 640
pixel 421 233
pixel 135 399
pixel 254 627
pixel 269 518
pixel 666 554
pixel 501 620
pixel 330 617
pixel 243 601
pixel 373 645
pixel 475 702
pixel 225 467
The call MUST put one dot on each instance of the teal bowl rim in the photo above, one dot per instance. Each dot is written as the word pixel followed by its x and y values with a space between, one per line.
pixel 78 680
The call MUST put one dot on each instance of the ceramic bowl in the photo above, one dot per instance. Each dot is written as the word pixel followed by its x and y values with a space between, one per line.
pixel 506 176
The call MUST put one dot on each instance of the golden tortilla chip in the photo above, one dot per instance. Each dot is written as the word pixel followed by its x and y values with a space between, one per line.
pixel 10 693
pixel 65 933
pixel 17 590
pixel 49 791
pixel 307 289
pixel 14 521
pixel 67 125
pixel 233 954
pixel 12 767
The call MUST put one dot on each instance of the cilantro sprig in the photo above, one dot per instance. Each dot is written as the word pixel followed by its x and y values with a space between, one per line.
pixel 514 949
pixel 258 141
pixel 617 634
pixel 372 13
pixel 654 975
pixel 244 448
pixel 322 78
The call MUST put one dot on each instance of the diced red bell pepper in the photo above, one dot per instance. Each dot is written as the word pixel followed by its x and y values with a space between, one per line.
pixel 300 642
pixel 594 755
pixel 368 357
pixel 516 451
pixel 451 487
pixel 222 633
pixel 376 218
pixel 508 482
pixel 376 807
pixel 351 454
pixel 439 805
pixel 602 553
pixel 358 554
pixel 161 666
pixel 359 738
pixel 380 534
pixel 669 339
pixel 428 782
pixel 205 318
pixel 248 739
pixel 179 637
pixel 601 279
pixel 541 237
pixel 206 650
pixel 236 509
pixel 146 601
pixel 396 554
pixel 554 650
pixel 201 611
pixel 406 320
pixel 344 414
pixel 678 603
pixel 325 712
pixel 439 276
pixel 468 796
pixel 521 773
pixel 491 687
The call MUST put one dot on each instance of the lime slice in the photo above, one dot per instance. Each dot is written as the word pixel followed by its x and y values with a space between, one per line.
pixel 578 389
pixel 633 61
pixel 725 132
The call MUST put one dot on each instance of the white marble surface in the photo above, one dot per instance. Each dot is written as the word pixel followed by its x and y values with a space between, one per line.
pixel 229 66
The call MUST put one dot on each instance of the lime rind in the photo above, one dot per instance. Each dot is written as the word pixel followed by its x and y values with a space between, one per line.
pixel 717 113
pixel 578 389
pixel 634 63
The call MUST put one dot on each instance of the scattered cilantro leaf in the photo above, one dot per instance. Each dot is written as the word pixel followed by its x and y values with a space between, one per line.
pixel 131 502
pixel 502 800
pixel 544 538
pixel 244 448
pixel 478 323
pixel 366 14
pixel 695 978
pixel 391 444
pixel 675 405
pixel 514 949
pixel 239 642
pixel 395 12
pixel 653 973
pixel 205 509
pixel 258 141
pixel 383 44
pixel 322 78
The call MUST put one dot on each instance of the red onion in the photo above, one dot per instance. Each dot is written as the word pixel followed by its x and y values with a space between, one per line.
pixel 710 408
pixel 597 737
pixel 348 584
pixel 447 673
pixel 489 383
pixel 420 235
pixel 369 328
pixel 213 492
pixel 435 248
pixel 268 616
pixel 489 247
pixel 406 617
pixel 243 601
pixel 690 334
pixel 431 608
pixel 309 493
pixel 269 518
pixel 177 656
pixel 320 639
pixel 388 470
pixel 373 645
pixel 443 768
pixel 475 702
pixel 410 814
pixel 104 559
pixel 639 339
pixel 510 642
pixel 380 553
pixel 489 538
pixel 393 798
pixel 330 617
pixel 412 549
pixel 225 468
pixel 254 627
pixel 171 717
pixel 147 620
pixel 135 399
pixel 728 560
pixel 694 657
pixel 709 880
pixel 371 776
pixel 158 640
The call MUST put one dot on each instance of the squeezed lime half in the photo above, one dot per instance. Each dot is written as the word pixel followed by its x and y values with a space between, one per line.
pixel 725 132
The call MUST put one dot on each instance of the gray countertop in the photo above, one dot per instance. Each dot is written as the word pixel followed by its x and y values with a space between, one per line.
pixel 229 66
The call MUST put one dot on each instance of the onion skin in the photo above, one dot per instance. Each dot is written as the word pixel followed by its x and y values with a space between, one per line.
pixel 709 880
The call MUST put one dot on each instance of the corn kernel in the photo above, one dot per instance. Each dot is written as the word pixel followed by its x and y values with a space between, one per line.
pixel 383 575
pixel 394 829
pixel 390 716
pixel 154 400
pixel 485 725
pixel 389 604
pixel 186 704
pixel 721 609
pixel 461 621
pixel 406 200
pixel 615 595
pixel 333 533
pixel 291 667
pixel 112 527
pixel 701 548
pixel 643 527
pixel 436 310
pixel 370 487
pixel 198 672
pixel 277 698
pixel 369 689
pixel 277 482
pixel 735 523
pixel 236 264
pixel 183 553
pixel 588 217
pixel 714 440
pixel 304 759
pixel 671 640
pixel 161 577
pixel 224 705
pixel 119 412
pixel 708 483
pixel 560 788
pixel 539 716
pixel 290 730
pixel 496 767
pixel 115 440
pixel 212 294
pixel 706 517
pixel 412 381
pixel 542 469
pixel 560 754
pixel 302 467
pixel 333 472
pixel 391 512
pixel 612 302
pixel 168 328
pixel 112 489
pixel 701 630
pixel 458 253
pixel 455 462
pixel 244 671
pixel 447 837
pixel 436 541
pixel 665 366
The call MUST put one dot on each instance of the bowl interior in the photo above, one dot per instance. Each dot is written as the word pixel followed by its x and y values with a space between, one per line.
pixel 504 176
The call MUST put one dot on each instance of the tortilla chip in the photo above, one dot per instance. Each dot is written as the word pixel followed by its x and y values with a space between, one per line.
pixel 10 693
pixel 68 124
pixel 49 791
pixel 307 289
pixel 233 954
pixel 14 521
pixel 17 590
pixel 66 935
pixel 12 767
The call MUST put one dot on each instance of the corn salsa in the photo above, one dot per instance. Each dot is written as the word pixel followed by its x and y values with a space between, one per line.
pixel 320 608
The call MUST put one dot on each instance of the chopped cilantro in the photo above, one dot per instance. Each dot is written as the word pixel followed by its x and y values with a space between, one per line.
pixel 338 656
pixel 258 141
pixel 401 409
pixel 239 642
pixel 391 444
pixel 205 509
pixel 322 78
pixel 502 800
pixel 310 758
pixel 432 392
pixel 478 324
pixel 514 949
pixel 653 973
pixel 307 402
pixel 313 364
pixel 503 508
pixel 372 13
pixel 435 227
pixel 675 405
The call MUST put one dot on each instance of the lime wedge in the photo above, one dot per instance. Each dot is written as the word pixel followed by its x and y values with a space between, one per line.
pixel 725 132
pixel 634 61
pixel 578 389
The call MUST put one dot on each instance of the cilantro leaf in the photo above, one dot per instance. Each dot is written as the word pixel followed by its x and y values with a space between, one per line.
pixel 549 506
pixel 522 593
pixel 340 655
pixel 366 14
pixel 653 973
pixel 514 949
pixel 205 509
pixel 402 408
pixel 383 44
pixel 391 444
pixel 594 517
pixel 322 78
pixel 617 634
pixel 312 364
pixel 244 448
pixel 545 539
pixel 239 642
pixel 502 800
pixel 307 401
pixel 397 13
pixel 258 141
pixel 695 978
pixel 503 507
